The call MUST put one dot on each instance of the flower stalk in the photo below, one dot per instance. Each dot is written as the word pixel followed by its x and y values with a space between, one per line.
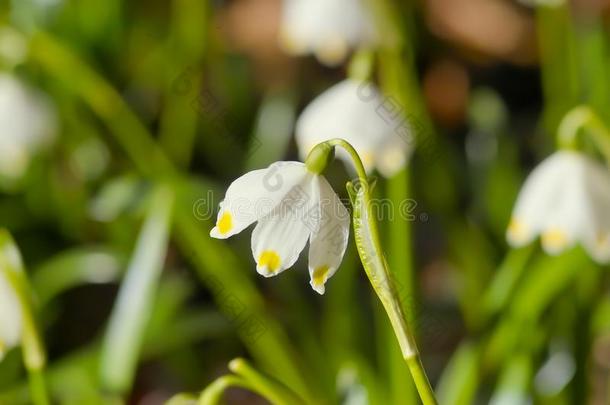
pixel 34 356
pixel 577 119
pixel 376 267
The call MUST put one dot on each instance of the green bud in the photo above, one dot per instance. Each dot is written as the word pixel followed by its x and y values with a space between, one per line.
pixel 319 157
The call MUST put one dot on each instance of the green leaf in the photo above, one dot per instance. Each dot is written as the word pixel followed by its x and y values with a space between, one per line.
pixel 123 339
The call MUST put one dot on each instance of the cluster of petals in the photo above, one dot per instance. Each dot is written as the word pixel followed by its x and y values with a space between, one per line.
pixel 328 29
pixel 565 201
pixel 357 112
pixel 291 206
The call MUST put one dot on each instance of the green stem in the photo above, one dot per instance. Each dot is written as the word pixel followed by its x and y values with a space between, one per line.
pixel 38 388
pixel 583 117
pixel 275 392
pixel 34 356
pixel 371 254
pixel 212 395
pixel 400 260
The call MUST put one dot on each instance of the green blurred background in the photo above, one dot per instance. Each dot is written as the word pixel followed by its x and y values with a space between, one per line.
pixel 160 104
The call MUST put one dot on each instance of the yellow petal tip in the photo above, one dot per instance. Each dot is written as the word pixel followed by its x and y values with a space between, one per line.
pixel 270 261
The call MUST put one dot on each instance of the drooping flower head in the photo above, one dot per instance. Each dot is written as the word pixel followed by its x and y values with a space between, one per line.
pixel 326 28
pixel 27 123
pixel 565 200
pixel 357 112
pixel 292 206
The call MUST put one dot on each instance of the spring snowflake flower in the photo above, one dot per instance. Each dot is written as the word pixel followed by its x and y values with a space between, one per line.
pixel 326 28
pixel 565 199
pixel 357 112
pixel 27 122
pixel 10 317
pixel 292 205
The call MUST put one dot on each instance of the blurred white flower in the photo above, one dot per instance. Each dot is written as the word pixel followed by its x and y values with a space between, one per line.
pixel 292 205
pixel 357 112
pixel 10 316
pixel 566 199
pixel 28 123
pixel 326 28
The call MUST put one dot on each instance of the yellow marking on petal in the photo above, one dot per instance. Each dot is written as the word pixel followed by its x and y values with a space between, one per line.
pixel 270 259
pixel 225 223
pixel 319 275
pixel 602 239
pixel 517 229
pixel 2 349
pixel 555 238
pixel 290 43
pixel 333 51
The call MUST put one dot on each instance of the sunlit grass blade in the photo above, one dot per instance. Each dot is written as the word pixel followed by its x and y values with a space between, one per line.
pixel 83 265
pixel 515 381
pixel 123 339
pixel 460 380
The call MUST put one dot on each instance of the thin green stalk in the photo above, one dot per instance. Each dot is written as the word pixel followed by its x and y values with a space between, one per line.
pixel 187 44
pixel 579 118
pixel 212 395
pixel 38 387
pixel 377 269
pixel 34 356
pixel 559 65
pixel 399 239
pixel 275 392
pixel 125 334
pixel 505 280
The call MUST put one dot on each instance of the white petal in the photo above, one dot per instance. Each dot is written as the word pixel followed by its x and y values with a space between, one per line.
pixel 28 123
pixel 356 112
pixel 565 219
pixel 279 238
pixel 329 241
pixel 10 317
pixel 542 190
pixel 254 195
pixel 596 232
pixel 325 27
pixel 393 155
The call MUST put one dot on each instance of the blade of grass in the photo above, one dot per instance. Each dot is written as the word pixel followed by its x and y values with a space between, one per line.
pixel 123 339
pixel 186 51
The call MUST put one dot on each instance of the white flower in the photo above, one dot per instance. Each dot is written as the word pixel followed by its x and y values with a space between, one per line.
pixel 292 205
pixel 27 123
pixel 566 199
pixel 10 317
pixel 326 28
pixel 357 112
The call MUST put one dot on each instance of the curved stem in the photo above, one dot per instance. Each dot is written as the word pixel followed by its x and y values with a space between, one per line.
pixel 353 154
pixel 372 257
pixel 34 355
pixel 583 117
pixel 272 390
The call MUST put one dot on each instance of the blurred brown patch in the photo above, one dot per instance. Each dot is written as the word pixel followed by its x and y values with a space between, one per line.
pixel 487 28
pixel 446 89
pixel 251 27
